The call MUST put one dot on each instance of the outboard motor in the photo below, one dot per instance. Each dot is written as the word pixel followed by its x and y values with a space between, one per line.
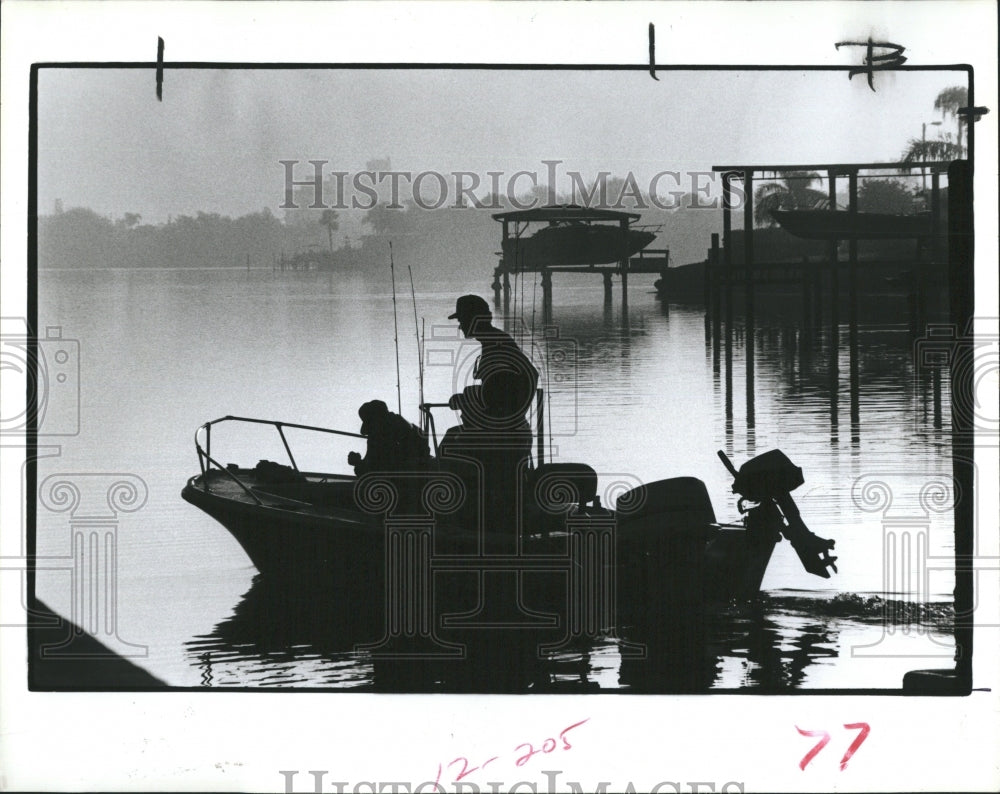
pixel 769 480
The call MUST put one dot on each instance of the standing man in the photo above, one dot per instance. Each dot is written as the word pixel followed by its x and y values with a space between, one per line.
pixel 494 433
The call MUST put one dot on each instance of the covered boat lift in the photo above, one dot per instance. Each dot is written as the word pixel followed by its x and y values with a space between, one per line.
pixel 574 239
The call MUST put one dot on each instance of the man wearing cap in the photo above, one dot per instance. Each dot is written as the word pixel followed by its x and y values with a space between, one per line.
pixel 507 377
pixel 495 435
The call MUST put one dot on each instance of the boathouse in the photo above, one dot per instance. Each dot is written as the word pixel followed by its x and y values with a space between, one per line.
pixel 568 238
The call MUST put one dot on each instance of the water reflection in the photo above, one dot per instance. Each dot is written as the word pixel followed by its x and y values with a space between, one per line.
pixel 774 655
pixel 802 359
pixel 308 637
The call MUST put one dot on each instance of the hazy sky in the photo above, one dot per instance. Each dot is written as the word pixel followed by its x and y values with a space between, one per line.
pixel 215 142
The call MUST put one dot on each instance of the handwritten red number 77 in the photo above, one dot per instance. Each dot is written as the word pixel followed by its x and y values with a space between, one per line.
pixel 862 728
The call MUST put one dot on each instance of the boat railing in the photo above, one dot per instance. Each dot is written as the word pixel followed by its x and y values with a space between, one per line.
pixel 206 461
pixel 654 228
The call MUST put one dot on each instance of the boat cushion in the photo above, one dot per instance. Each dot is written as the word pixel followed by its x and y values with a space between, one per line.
pixel 556 487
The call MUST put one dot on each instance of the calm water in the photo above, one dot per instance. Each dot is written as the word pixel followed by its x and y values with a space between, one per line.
pixel 641 396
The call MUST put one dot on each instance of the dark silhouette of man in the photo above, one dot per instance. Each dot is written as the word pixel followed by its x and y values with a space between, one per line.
pixel 508 379
pixel 495 435
pixel 394 444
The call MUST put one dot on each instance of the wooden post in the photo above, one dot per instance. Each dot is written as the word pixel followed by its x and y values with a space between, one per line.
pixel 546 295
pixel 506 263
pixel 727 252
pixel 936 214
pixel 817 304
pixel 748 263
pixel 496 285
pixel 921 267
pixel 715 270
pixel 852 277
pixel 727 247
pixel 624 264
pixel 711 265
pixel 749 277
pixel 805 275
pixel 834 384
pixel 961 295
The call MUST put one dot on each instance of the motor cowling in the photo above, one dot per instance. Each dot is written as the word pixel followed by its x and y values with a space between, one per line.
pixel 662 530
pixel 769 479
pixel 768 476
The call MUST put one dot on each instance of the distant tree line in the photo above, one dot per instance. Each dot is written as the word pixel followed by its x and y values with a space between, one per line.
pixel 82 238
pixel 445 243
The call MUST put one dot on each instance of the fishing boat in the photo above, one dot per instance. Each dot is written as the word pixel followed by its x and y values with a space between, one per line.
pixel 841 225
pixel 575 244
pixel 367 535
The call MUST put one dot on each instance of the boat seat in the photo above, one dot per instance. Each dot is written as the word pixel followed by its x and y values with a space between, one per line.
pixel 557 487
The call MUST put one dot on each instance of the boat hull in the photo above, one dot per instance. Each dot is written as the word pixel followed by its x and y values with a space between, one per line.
pixel 840 225
pixel 573 246
pixel 640 573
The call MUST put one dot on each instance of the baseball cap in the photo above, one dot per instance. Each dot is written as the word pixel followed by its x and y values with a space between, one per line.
pixel 471 306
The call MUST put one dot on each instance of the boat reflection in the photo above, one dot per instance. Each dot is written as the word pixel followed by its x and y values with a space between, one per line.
pixel 307 638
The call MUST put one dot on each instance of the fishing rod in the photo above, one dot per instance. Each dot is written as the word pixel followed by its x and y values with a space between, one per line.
pixel 423 346
pixel 395 327
pixel 416 331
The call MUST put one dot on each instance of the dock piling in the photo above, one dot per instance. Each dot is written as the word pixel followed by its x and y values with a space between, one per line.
pixel 546 295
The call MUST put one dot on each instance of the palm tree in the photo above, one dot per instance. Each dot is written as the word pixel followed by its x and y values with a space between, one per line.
pixel 791 192
pixel 393 222
pixel 329 220
pixel 941 149
pixel 949 102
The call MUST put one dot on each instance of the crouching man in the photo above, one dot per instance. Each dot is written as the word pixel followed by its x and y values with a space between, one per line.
pixel 394 444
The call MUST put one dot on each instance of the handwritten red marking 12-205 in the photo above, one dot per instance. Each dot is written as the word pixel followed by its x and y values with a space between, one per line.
pixel 524 752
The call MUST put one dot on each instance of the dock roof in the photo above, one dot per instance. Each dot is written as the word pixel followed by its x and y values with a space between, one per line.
pixel 838 168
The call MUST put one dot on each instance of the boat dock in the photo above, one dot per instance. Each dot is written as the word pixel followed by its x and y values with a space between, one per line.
pixel 574 239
